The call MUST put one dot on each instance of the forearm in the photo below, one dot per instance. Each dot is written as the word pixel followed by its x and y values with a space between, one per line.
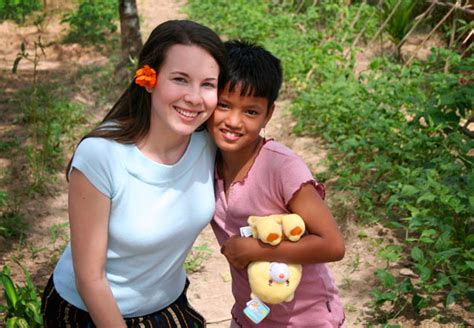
pixel 100 302
pixel 309 249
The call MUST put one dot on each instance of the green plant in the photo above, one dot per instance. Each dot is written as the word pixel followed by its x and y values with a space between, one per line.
pixel 51 120
pixel 11 220
pixel 23 308
pixel 18 9
pixel 401 20
pixel 92 22
pixel 397 139
pixel 58 232
pixel 49 117
pixel 35 251
pixel 196 257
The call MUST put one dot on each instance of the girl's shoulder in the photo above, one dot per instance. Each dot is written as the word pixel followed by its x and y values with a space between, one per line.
pixel 276 150
pixel 97 147
pixel 276 157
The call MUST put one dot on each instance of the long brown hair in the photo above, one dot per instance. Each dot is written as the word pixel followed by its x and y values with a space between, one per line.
pixel 131 114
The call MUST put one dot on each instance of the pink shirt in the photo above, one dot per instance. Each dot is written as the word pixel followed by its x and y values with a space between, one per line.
pixel 275 176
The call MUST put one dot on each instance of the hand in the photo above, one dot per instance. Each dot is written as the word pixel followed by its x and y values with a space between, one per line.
pixel 239 251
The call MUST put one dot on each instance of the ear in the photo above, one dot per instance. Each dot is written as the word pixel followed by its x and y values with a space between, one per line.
pixel 251 220
pixel 149 90
pixel 269 115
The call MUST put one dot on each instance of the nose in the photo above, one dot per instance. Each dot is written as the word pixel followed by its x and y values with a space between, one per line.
pixel 233 119
pixel 193 96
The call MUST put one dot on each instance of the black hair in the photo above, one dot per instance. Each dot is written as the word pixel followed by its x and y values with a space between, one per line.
pixel 254 69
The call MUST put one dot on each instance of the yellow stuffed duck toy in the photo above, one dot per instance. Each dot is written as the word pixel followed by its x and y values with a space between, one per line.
pixel 274 282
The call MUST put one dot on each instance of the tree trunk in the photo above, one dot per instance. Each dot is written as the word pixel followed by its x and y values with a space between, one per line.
pixel 129 30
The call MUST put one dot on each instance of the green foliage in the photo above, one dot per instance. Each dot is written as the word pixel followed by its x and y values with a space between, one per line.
pixel 18 9
pixel 58 232
pixel 196 257
pixel 92 22
pixel 398 129
pixel 298 39
pixel 55 120
pixel 401 21
pixel 23 308
pixel 11 220
pixel 50 119
pixel 394 134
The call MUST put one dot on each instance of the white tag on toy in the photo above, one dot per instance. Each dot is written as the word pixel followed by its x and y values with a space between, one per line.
pixel 256 310
pixel 246 231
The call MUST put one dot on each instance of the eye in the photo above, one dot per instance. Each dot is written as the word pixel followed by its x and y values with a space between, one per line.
pixel 222 105
pixel 179 79
pixel 209 85
pixel 252 112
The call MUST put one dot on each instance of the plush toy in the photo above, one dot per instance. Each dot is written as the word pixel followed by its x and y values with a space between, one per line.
pixel 274 282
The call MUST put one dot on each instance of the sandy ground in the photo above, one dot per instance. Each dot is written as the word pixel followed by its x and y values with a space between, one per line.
pixel 210 285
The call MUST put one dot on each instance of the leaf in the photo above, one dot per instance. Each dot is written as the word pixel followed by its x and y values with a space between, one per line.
pixel 386 278
pixel 425 272
pixel 406 286
pixel 417 254
pixel 22 323
pixel 10 291
pixel 429 197
pixel 419 302
pixel 381 297
pixel 470 264
pixel 34 312
pixel 441 281
pixel 452 297
pixel 409 190
pixel 390 253
pixel 427 236
pixel 12 322
pixel 15 64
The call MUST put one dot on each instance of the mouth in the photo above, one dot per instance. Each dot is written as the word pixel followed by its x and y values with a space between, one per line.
pixel 187 113
pixel 230 135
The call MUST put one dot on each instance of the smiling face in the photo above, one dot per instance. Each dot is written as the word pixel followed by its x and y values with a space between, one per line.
pixel 236 123
pixel 185 94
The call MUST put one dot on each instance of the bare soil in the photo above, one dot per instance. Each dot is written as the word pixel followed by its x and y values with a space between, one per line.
pixel 210 291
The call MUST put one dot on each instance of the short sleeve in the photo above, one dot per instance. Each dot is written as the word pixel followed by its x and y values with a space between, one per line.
pixel 94 157
pixel 294 174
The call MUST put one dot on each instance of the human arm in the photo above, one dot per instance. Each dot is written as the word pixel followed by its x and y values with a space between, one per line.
pixel 323 243
pixel 88 217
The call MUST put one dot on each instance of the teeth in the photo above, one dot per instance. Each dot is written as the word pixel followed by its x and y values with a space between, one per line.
pixel 232 134
pixel 187 113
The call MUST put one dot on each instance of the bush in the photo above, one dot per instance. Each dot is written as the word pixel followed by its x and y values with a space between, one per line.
pixel 18 9
pixel 23 302
pixel 92 22
pixel 394 132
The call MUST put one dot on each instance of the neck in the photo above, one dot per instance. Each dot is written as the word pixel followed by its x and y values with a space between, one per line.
pixel 234 166
pixel 163 146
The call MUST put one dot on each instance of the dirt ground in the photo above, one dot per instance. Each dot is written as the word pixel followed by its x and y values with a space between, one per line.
pixel 210 291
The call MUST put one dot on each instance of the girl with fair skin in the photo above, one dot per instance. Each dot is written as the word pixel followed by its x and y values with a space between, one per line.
pixel 127 182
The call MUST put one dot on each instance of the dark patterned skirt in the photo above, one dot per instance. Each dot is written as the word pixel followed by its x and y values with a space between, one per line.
pixel 58 313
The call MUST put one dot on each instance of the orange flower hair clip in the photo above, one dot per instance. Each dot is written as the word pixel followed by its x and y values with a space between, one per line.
pixel 146 77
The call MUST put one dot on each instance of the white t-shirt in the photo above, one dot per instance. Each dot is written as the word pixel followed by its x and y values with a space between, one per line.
pixel 157 211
